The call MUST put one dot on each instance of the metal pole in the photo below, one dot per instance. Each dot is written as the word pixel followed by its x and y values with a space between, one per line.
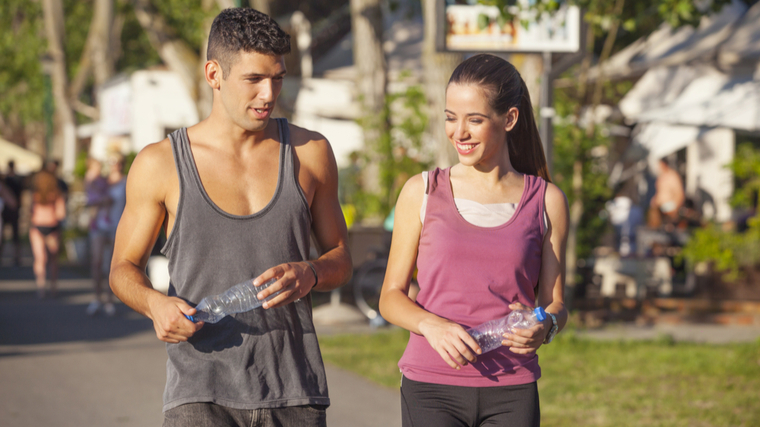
pixel 546 110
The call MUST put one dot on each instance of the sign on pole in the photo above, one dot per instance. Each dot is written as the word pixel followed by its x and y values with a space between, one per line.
pixel 480 28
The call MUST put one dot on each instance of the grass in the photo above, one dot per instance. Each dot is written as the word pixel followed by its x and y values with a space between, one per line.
pixel 588 382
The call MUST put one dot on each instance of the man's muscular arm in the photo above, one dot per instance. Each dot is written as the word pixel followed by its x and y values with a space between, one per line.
pixel 318 175
pixel 139 226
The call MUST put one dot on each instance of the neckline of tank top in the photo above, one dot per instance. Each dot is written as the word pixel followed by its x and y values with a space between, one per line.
pixel 197 177
pixel 452 204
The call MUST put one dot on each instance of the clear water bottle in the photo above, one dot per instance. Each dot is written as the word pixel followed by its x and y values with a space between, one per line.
pixel 489 335
pixel 237 299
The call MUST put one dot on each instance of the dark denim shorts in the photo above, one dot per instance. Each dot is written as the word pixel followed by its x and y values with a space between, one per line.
pixel 212 415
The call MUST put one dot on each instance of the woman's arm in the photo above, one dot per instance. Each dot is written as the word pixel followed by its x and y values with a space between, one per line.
pixel 551 280
pixel 449 339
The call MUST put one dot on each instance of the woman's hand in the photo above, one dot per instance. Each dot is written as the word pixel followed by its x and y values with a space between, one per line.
pixel 450 340
pixel 525 341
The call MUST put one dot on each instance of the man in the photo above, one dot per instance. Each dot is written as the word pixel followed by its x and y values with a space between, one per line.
pixel 241 203
pixel 669 196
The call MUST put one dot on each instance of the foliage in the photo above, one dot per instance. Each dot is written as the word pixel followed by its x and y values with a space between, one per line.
pixel 746 168
pixel 729 251
pixel 22 43
pixel 587 382
pixel 186 18
pixel 571 143
pixel 636 17
pixel 397 152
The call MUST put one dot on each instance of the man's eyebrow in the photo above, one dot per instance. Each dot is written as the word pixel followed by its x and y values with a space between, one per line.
pixel 280 74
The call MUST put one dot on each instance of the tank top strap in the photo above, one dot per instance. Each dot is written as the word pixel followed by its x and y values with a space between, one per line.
pixel 183 159
pixel 533 199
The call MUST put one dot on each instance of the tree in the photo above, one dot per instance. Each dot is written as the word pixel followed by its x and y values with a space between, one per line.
pixel 64 134
pixel 437 67
pixel 369 59
pixel 21 80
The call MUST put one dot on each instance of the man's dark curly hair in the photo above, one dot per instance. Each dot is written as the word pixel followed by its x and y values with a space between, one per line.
pixel 244 29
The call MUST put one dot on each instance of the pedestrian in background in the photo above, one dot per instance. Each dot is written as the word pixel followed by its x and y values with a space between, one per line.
pixel 10 212
pixel 109 197
pixel 488 236
pixel 48 211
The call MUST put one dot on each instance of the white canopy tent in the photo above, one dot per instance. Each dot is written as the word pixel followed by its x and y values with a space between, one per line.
pixel 26 162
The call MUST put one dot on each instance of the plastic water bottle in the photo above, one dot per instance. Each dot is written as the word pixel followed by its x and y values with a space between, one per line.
pixel 489 335
pixel 237 299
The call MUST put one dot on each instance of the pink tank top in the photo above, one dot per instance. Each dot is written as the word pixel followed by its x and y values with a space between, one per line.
pixel 470 274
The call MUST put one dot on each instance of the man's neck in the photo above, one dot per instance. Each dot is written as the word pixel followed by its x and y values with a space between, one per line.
pixel 226 132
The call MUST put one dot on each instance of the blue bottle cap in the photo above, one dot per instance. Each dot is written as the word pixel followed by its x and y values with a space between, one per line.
pixel 190 318
pixel 540 313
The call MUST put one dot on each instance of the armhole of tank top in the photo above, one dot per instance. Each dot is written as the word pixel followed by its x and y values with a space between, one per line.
pixel 166 249
pixel 542 217
pixel 284 129
pixel 423 207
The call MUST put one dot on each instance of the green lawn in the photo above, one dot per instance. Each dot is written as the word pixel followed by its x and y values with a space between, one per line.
pixel 606 383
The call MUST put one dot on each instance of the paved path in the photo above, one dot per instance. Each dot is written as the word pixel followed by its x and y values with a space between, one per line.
pixel 61 368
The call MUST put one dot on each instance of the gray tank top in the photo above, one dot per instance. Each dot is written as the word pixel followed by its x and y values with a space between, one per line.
pixel 262 358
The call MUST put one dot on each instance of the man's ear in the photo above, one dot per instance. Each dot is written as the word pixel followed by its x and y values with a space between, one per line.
pixel 511 119
pixel 213 74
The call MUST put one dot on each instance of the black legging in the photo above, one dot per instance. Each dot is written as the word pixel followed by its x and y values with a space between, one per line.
pixel 436 405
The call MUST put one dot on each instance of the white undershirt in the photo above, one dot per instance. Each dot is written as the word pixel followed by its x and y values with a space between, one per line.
pixel 488 215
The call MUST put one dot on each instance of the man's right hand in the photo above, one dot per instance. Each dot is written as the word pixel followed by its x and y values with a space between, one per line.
pixel 169 321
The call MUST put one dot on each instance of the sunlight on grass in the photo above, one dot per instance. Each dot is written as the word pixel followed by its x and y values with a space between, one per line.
pixel 605 383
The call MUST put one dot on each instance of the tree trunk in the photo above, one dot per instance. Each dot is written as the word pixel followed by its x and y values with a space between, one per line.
pixel 261 5
pixel 371 82
pixel 175 53
pixel 102 65
pixel 576 209
pixel 437 67
pixel 64 127
pixel 369 58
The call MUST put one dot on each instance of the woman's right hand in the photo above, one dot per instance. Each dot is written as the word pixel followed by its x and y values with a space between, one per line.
pixel 451 341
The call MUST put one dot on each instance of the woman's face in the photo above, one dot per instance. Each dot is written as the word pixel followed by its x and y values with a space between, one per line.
pixel 477 132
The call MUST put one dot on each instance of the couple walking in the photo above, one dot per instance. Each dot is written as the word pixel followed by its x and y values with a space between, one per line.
pixel 241 194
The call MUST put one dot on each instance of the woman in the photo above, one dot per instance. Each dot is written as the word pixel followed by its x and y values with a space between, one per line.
pixel 488 236
pixel 48 210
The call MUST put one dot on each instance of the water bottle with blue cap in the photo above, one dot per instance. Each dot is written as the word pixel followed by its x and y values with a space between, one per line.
pixel 489 335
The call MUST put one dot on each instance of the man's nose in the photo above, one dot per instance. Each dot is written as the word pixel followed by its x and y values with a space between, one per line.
pixel 266 93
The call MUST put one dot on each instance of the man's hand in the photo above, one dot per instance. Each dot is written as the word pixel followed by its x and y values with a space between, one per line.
pixel 524 341
pixel 295 279
pixel 451 341
pixel 169 321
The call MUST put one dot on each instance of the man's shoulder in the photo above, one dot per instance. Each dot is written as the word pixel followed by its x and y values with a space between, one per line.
pixel 302 137
pixel 155 160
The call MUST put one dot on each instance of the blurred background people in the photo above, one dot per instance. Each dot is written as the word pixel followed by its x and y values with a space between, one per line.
pixel 109 196
pixel 10 212
pixel 52 167
pixel 669 196
pixel 48 211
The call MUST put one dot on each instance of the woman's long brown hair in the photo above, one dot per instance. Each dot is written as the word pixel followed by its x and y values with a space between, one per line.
pixel 45 187
pixel 504 89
